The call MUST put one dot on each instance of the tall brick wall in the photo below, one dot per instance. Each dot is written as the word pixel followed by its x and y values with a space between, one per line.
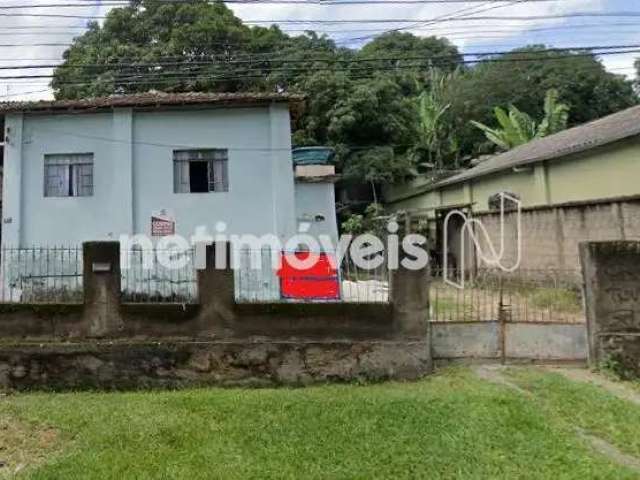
pixel 551 235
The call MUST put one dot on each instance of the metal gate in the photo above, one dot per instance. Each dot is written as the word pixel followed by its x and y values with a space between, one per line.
pixel 548 296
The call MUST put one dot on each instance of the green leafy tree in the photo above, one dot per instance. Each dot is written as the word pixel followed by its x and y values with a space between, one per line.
pixel 183 46
pixel 556 114
pixel 378 165
pixel 324 91
pixel 372 221
pixel 517 127
pixel 422 53
pixel 437 144
pixel 580 79
pixel 373 128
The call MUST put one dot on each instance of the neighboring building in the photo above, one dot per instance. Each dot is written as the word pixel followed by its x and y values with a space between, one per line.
pixel 315 192
pixel 78 170
pixel 580 184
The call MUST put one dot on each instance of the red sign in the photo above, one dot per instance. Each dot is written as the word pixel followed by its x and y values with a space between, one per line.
pixel 162 227
pixel 320 281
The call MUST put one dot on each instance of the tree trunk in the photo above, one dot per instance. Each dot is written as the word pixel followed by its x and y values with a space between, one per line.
pixel 373 190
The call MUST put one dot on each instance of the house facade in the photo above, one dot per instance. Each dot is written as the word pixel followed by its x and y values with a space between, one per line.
pixel 81 170
pixel 576 185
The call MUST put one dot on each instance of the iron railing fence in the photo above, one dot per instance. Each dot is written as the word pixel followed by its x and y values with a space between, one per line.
pixel 535 295
pixel 261 276
pixel 41 275
pixel 158 276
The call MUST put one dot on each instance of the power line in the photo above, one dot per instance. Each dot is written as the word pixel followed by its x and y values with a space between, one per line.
pixel 444 29
pixel 465 19
pixel 465 12
pixel 523 18
pixel 197 77
pixel 231 148
pixel 20 94
pixel 254 62
pixel 315 3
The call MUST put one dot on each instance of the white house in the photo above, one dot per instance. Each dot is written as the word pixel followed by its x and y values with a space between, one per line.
pixel 79 170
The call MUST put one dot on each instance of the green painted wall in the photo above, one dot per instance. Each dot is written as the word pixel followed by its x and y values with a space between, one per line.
pixel 601 173
pixel 425 200
pixel 606 172
pixel 454 195
pixel 522 183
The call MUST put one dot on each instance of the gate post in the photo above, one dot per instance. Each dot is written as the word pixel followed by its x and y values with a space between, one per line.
pixel 410 301
pixel 101 279
pixel 216 287
pixel 502 321
pixel 611 272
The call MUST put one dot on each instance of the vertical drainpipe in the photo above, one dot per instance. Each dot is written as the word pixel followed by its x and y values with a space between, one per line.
pixel 12 202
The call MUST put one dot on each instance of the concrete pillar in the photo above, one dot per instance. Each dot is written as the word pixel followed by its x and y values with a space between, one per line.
pixel 12 182
pixel 560 240
pixel 467 192
pixel 611 272
pixel 410 301
pixel 541 180
pixel 282 177
pixel 216 289
pixel 123 168
pixel 101 277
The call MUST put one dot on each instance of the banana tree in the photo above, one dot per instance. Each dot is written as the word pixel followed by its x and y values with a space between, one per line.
pixel 517 127
pixel 434 130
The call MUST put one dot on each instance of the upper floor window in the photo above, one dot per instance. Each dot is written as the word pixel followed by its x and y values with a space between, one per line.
pixel 68 175
pixel 197 171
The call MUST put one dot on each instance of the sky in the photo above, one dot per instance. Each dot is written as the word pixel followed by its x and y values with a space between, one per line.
pixel 18 34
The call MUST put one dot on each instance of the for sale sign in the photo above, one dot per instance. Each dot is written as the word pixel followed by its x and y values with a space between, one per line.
pixel 162 224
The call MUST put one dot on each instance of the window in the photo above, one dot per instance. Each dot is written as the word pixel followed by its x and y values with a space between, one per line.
pixel 68 175
pixel 197 171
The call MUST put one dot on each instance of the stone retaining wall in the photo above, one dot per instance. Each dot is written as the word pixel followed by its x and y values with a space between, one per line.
pixel 173 364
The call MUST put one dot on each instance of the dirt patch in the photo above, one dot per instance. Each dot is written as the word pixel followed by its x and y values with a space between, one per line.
pixel 494 374
pixel 612 453
pixel 23 446
pixel 619 389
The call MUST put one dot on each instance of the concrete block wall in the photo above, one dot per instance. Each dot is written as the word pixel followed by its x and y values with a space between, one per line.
pixel 551 235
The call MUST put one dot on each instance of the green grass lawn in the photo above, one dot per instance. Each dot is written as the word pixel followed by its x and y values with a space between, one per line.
pixel 451 425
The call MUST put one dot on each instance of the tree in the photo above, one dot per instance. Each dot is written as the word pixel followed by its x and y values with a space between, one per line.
pixel 424 52
pixel 556 114
pixel 517 127
pixel 377 165
pixel 144 35
pixel 182 46
pixel 437 143
pixel 324 91
pixel 522 77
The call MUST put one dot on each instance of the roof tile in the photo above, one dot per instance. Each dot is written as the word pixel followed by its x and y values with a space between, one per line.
pixel 150 99
pixel 614 127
